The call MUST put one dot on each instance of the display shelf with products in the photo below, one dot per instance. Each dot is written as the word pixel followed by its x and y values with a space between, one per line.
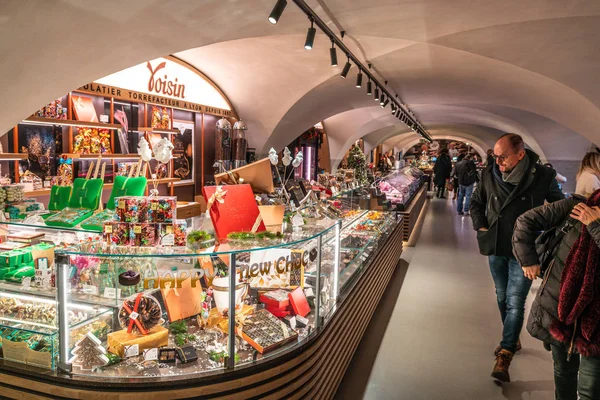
pixel 401 186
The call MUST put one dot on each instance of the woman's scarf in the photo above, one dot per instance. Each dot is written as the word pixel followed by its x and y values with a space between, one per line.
pixel 580 283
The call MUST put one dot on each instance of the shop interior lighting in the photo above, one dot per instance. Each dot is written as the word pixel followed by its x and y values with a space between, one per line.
pixel 382 99
pixel 277 11
pixel 359 79
pixel 385 103
pixel 310 36
pixel 333 55
pixel 369 92
pixel 376 94
pixel 398 114
pixel 346 68
pixel 393 108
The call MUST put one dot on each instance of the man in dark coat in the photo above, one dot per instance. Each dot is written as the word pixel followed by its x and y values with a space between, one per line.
pixel 510 187
pixel 442 170
pixel 466 173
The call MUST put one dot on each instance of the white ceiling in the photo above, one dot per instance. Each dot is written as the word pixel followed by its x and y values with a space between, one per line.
pixel 468 69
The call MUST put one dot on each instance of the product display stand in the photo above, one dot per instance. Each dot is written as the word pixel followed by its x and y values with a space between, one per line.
pixel 412 211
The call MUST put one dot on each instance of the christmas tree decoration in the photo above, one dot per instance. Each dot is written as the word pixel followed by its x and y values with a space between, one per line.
pixel 89 353
pixel 358 162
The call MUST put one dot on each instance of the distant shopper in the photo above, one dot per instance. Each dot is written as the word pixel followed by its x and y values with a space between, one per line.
pixel 559 178
pixel 508 188
pixel 490 158
pixel 466 172
pixel 442 170
pixel 564 314
pixel 588 177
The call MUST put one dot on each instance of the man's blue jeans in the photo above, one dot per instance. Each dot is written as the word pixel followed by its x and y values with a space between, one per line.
pixel 512 288
pixel 464 195
pixel 578 375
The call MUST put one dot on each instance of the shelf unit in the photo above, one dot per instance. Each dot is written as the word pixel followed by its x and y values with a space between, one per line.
pixel 157 130
pixel 46 192
pixel 75 156
pixel 69 122
pixel 13 156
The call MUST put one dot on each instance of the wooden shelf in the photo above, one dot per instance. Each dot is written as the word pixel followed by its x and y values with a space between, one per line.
pixel 46 192
pixel 13 156
pixel 156 130
pixel 69 122
pixel 132 156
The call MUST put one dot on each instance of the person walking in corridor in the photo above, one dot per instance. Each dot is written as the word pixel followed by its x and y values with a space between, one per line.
pixel 442 170
pixel 514 184
pixel 563 314
pixel 466 172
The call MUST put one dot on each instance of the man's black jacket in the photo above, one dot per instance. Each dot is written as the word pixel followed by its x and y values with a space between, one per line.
pixel 497 205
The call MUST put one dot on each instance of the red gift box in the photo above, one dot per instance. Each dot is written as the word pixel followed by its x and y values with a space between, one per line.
pixel 299 302
pixel 233 209
pixel 277 299
pixel 279 313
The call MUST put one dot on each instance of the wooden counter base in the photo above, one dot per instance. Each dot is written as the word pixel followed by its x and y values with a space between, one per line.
pixel 313 370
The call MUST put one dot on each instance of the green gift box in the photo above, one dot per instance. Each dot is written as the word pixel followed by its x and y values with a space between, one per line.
pixel 18 274
pixel 4 271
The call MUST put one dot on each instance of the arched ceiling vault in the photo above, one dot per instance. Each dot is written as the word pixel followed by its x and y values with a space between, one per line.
pixel 527 67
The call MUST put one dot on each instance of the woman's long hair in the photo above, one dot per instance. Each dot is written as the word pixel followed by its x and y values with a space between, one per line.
pixel 591 163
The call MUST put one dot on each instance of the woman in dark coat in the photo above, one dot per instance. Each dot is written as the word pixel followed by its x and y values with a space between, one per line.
pixel 565 312
pixel 442 170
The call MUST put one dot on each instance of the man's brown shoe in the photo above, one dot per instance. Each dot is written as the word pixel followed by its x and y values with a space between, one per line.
pixel 503 360
pixel 519 348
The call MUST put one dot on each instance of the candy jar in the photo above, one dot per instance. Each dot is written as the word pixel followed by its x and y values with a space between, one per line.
pixel 223 145
pixel 239 144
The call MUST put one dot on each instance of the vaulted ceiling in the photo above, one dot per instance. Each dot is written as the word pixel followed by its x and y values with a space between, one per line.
pixel 468 69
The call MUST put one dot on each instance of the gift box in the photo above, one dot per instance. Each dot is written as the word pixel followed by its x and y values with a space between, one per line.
pixel 162 209
pixel 263 331
pixel 277 299
pixel 69 217
pixel 116 233
pixel 143 235
pixel 232 208
pixel 118 341
pixel 279 312
pixel 96 221
pixel 217 320
pixel 180 228
pixel 298 302
pixel 132 209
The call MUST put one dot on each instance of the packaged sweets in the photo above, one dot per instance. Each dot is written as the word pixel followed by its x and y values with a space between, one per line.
pixel 162 209
pixel 132 209
pixel 143 235
pixel 179 229
pixel 116 233
pixel 173 234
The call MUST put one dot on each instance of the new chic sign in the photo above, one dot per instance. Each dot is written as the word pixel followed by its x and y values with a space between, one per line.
pixel 164 82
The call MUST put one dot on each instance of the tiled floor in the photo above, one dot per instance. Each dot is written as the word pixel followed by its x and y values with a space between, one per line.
pixel 437 326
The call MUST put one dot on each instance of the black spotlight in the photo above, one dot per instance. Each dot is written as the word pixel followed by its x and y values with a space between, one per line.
pixel 393 108
pixel 376 94
pixel 310 36
pixel 346 69
pixel 385 103
pixel 359 79
pixel 333 55
pixel 369 92
pixel 277 11
pixel 398 114
pixel 382 99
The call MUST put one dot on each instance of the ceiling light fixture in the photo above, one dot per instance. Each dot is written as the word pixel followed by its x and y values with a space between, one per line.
pixel 346 68
pixel 359 79
pixel 382 99
pixel 376 93
pixel 277 11
pixel 385 103
pixel 397 113
pixel 369 92
pixel 310 36
pixel 333 55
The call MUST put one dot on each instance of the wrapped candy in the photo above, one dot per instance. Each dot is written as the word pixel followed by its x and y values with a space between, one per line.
pixel 166 120
pixel 132 209
pixel 180 233
pixel 162 209
pixel 116 233
pixel 143 235
pixel 92 141
pixel 156 118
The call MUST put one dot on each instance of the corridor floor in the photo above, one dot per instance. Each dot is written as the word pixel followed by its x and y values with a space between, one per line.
pixel 438 324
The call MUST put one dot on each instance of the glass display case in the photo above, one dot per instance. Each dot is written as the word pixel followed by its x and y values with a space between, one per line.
pixel 102 311
pixel 401 186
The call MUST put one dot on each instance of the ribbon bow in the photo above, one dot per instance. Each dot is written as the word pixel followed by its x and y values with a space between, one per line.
pixel 67 161
pixel 218 195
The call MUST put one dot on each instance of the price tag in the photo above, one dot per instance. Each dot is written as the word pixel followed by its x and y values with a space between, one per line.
pixel 26 282
pixel 137 229
pixel 132 351
pixel 293 323
pixel 112 293
pixel 122 204
pixel 108 229
pixel 168 240
pixel 90 289
pixel 169 229
pixel 134 315
pixel 154 206
pixel 151 355
pixel 309 292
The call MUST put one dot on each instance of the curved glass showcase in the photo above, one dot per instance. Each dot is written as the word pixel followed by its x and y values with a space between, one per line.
pixel 111 312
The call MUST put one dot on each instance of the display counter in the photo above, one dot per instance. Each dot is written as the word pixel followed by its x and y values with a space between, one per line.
pixel 161 322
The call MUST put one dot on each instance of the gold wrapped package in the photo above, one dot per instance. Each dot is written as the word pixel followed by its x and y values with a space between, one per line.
pixel 119 340
pixel 216 320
